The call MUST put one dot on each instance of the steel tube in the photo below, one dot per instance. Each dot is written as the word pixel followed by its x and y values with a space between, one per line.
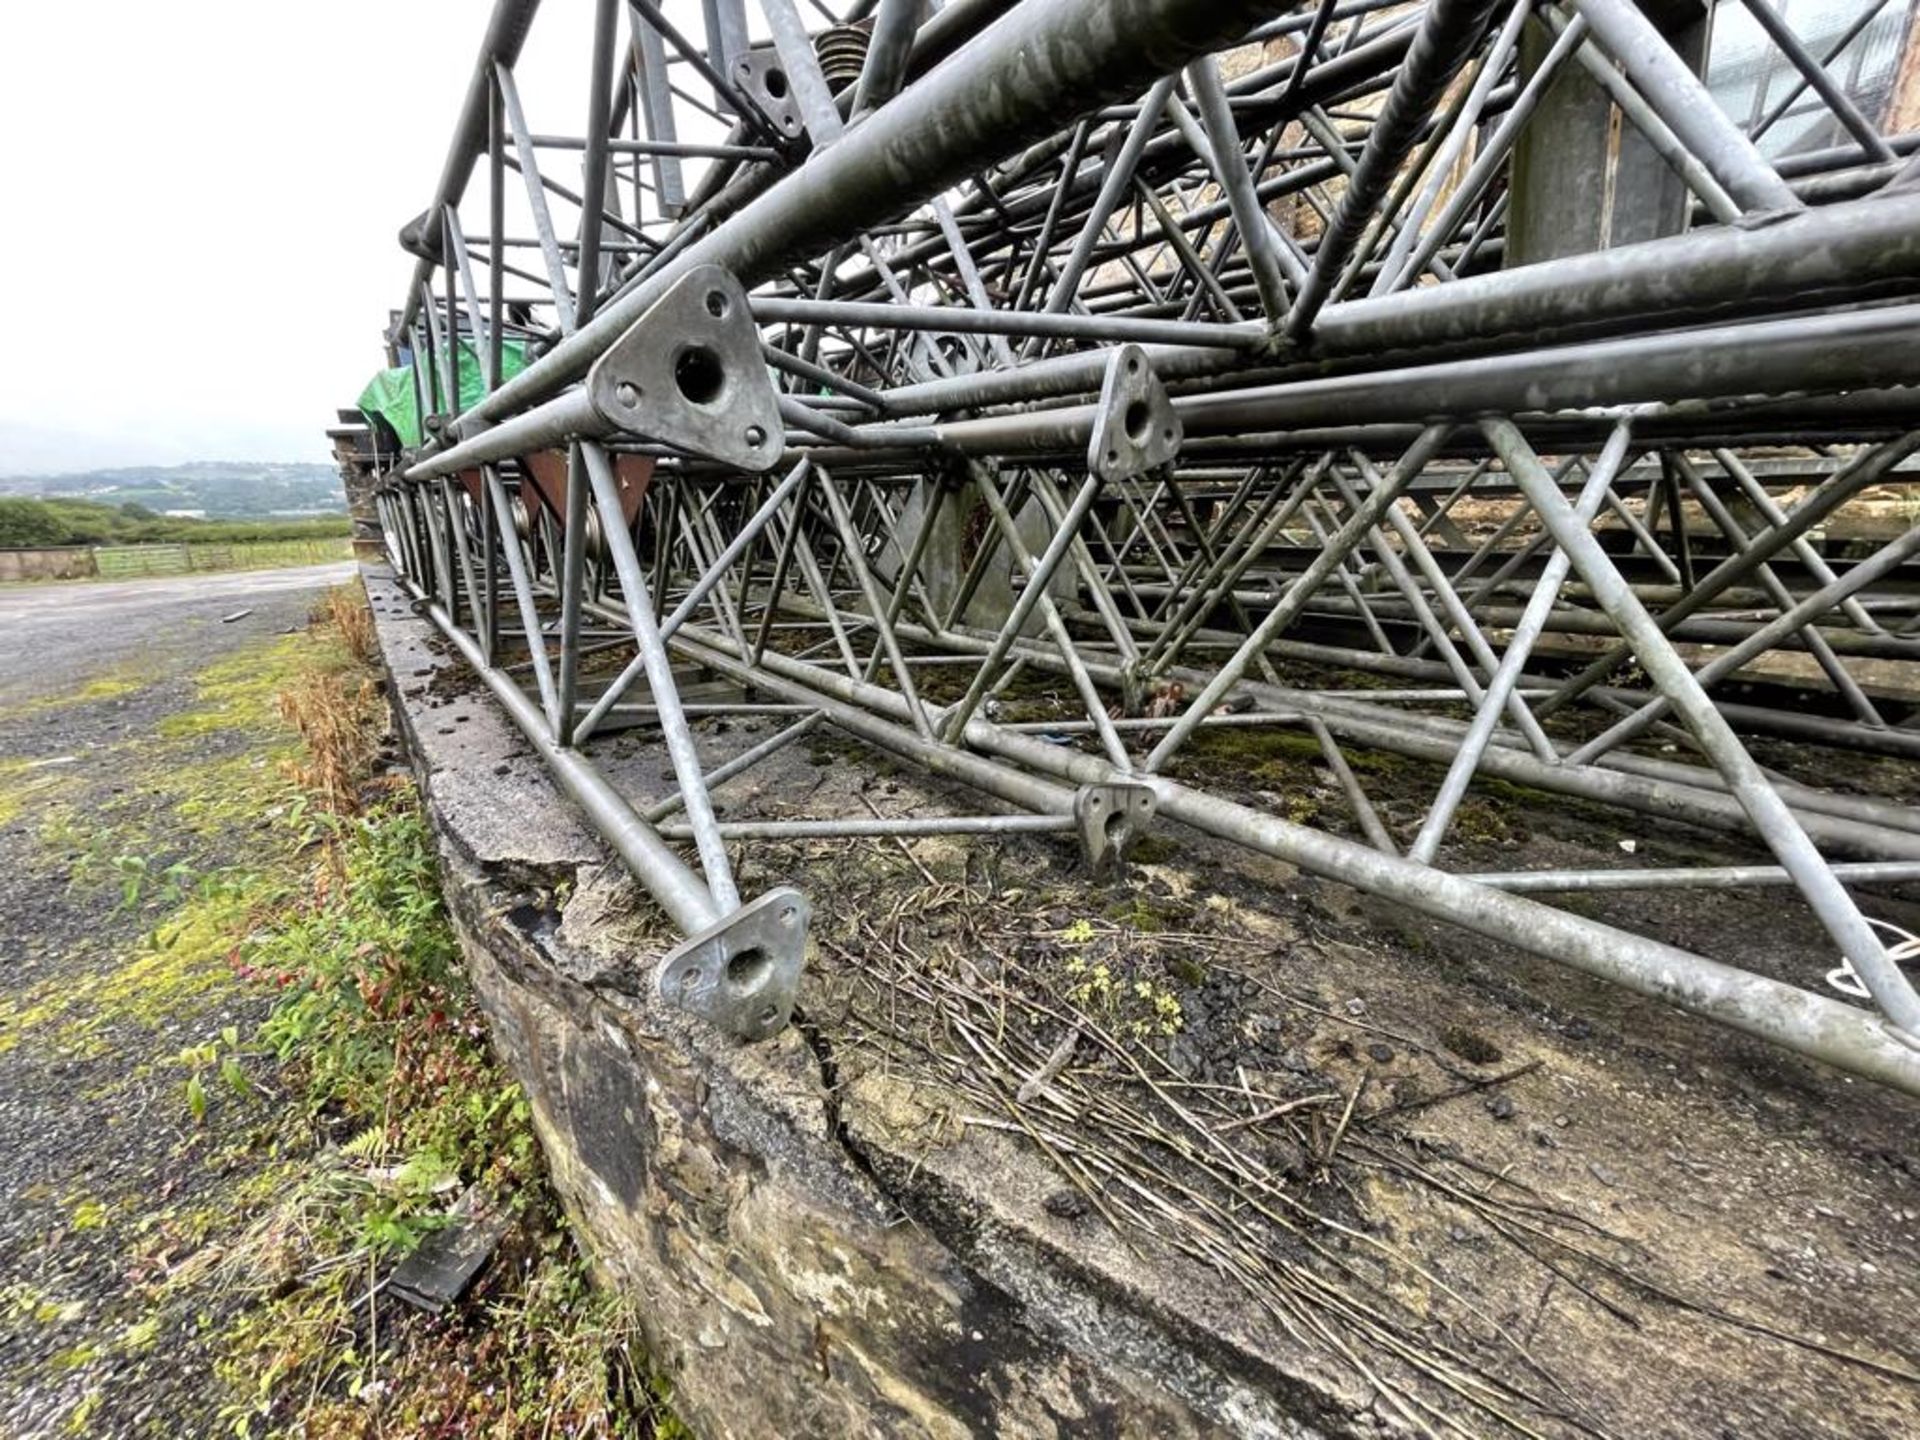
pixel 1450 30
pixel 1825 1029
pixel 1771 816
pixel 740 763
pixel 956 117
pixel 1513 664
pixel 506 33
pixel 952 320
pixel 1704 877
pixel 659 670
pixel 888 50
pixel 1681 99
pixel 855 828
pixel 1804 612
pixel 651 859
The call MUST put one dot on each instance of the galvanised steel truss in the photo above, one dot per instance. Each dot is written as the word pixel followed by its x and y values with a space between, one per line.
pixel 1159 347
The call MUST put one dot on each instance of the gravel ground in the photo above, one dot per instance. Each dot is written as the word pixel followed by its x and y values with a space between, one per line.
pixel 114 761
pixel 59 637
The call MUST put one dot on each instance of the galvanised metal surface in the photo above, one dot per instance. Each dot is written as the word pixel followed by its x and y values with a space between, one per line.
pixel 1172 351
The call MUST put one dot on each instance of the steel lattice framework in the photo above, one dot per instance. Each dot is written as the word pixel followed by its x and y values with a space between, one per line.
pixel 1163 348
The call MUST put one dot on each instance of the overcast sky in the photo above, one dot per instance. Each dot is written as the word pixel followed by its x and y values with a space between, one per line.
pixel 202 200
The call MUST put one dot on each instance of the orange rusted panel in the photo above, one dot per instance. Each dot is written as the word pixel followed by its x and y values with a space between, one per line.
pixel 548 470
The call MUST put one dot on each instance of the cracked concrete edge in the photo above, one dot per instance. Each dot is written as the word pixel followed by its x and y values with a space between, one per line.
pixel 796 1271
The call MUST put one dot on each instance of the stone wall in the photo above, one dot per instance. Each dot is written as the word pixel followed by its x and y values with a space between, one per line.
pixel 58 562
pixel 357 453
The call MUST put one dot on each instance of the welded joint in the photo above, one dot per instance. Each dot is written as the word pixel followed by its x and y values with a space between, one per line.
pixel 689 373
pixel 1110 818
pixel 1135 429
pixel 954 473
pixel 741 975
pixel 1136 686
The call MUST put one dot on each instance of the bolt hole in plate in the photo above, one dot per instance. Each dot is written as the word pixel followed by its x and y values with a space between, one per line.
pixel 741 974
pixel 699 374
pixel 748 970
pixel 1109 818
pixel 769 87
pixel 690 373
pixel 1135 429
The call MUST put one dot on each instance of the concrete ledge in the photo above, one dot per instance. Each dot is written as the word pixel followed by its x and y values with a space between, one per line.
pixel 820 1245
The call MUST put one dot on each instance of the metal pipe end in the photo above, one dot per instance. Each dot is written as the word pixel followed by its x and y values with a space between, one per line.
pixel 742 974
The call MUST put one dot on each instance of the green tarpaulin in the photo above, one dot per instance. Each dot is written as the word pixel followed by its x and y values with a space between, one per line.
pixel 391 394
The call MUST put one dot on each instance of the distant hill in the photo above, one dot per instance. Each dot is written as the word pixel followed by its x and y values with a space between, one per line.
pixel 222 490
